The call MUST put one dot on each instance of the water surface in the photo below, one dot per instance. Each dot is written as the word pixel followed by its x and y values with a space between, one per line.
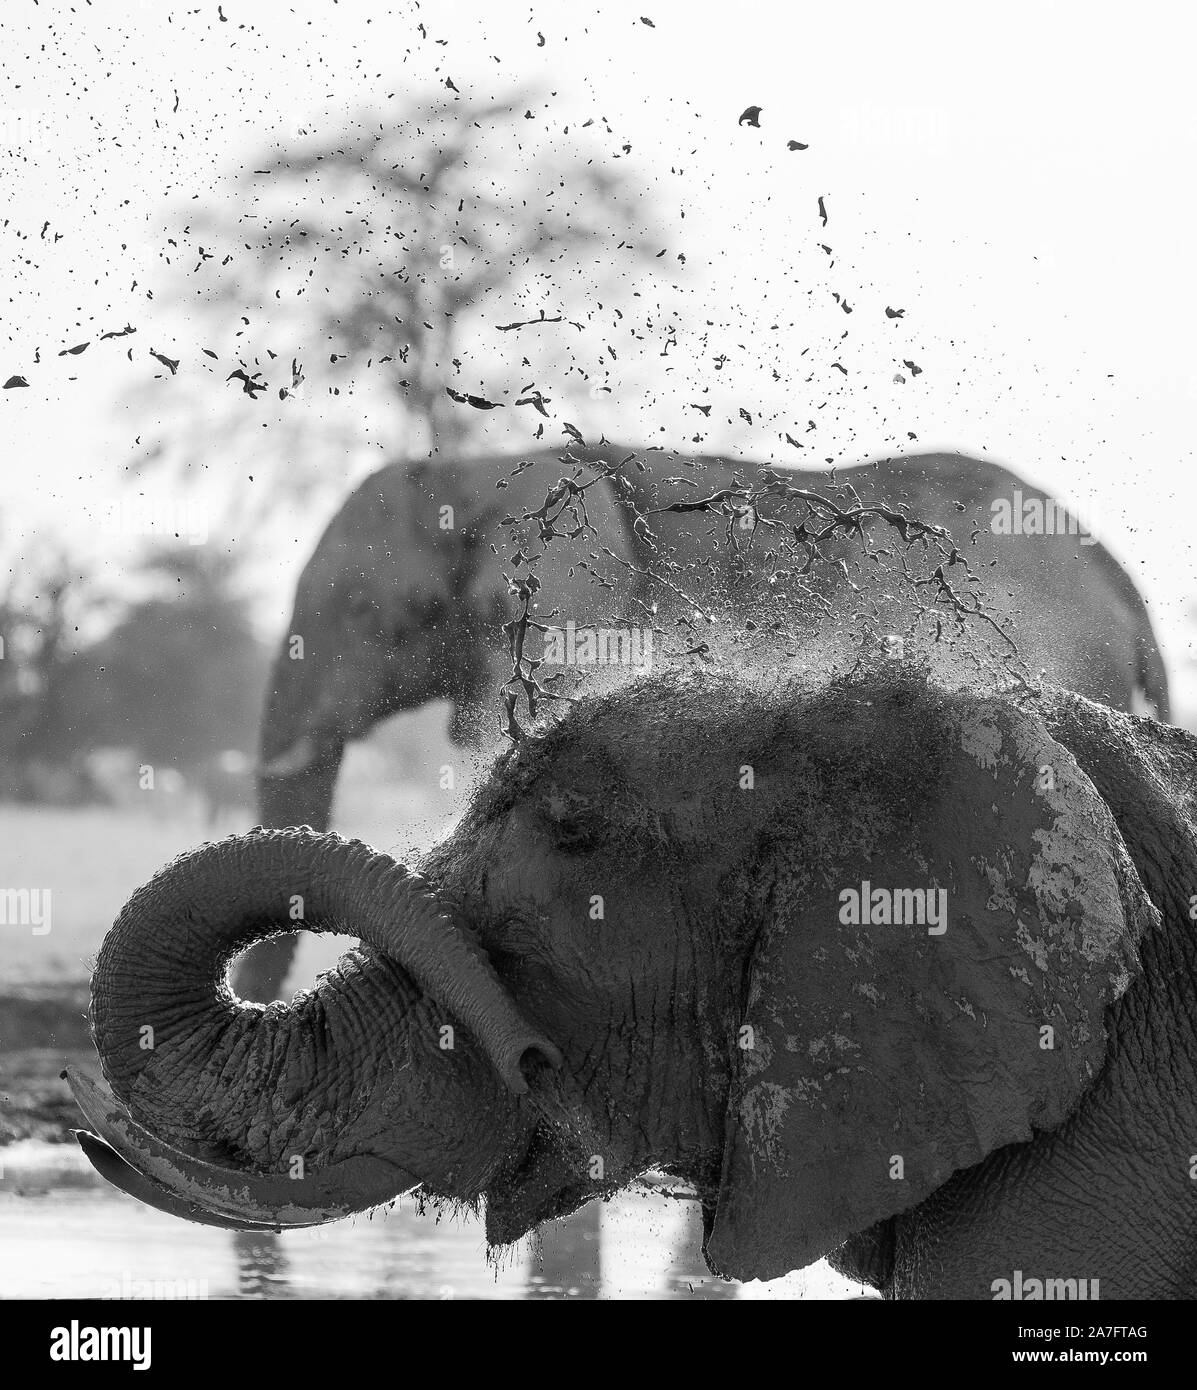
pixel 66 1233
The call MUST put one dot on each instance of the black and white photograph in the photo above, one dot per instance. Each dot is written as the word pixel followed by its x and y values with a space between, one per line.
pixel 597 678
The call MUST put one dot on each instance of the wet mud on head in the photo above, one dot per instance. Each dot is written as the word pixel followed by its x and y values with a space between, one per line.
pixel 784 578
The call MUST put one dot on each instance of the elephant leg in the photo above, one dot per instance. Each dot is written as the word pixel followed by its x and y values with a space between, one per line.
pixel 304 798
pixel 262 1264
pixel 569 1261
pixel 261 973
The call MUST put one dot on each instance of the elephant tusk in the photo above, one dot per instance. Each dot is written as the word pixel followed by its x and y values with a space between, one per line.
pixel 113 1168
pixel 157 1173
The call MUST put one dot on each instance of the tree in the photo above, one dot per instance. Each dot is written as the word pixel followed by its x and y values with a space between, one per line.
pixel 445 248
pixel 182 674
pixel 41 611
pixel 178 676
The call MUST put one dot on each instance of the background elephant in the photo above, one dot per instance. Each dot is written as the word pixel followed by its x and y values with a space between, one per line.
pixel 396 607
pixel 637 951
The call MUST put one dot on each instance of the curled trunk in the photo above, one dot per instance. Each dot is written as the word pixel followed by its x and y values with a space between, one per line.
pixel 357 1069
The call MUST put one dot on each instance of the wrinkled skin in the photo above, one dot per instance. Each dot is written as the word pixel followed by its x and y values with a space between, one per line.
pixel 716 1016
pixel 396 611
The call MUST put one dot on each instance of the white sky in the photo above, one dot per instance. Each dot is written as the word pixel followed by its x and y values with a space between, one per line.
pixel 1019 179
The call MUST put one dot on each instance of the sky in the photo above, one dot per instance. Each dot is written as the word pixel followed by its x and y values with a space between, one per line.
pixel 1016 180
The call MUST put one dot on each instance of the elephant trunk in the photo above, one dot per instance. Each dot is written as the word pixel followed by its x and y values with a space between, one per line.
pixel 303 796
pixel 214 1086
pixel 301 746
pixel 297 778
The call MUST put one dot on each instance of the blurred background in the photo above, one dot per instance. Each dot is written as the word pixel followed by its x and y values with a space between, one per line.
pixel 245 257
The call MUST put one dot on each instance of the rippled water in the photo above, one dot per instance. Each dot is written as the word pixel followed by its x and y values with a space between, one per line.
pixel 65 1233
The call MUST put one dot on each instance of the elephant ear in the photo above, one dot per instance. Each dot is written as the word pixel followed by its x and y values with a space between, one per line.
pixel 878 1056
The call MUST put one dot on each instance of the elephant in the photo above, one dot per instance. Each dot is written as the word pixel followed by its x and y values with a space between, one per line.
pixel 886 971
pixel 395 608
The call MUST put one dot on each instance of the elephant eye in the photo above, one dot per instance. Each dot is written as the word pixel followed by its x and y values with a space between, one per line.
pixel 515 944
pixel 577 835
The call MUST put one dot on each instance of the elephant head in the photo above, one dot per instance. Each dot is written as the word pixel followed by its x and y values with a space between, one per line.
pixel 833 956
pixel 380 623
